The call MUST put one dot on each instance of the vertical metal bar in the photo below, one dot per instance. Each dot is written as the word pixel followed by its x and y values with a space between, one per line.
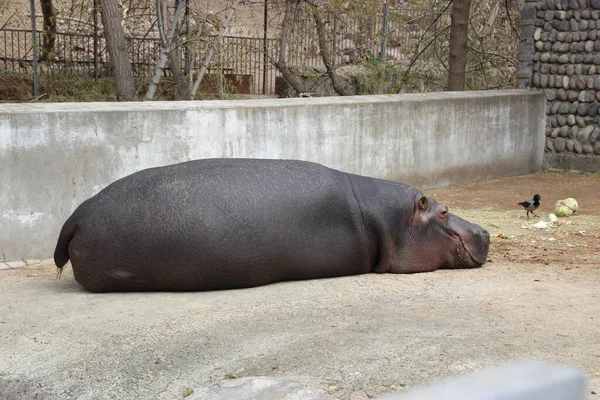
pixel 36 82
pixel 265 47
pixel 95 11
pixel 384 32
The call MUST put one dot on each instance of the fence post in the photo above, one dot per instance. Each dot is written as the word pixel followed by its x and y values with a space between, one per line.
pixel 265 47
pixel 36 82
pixel 384 32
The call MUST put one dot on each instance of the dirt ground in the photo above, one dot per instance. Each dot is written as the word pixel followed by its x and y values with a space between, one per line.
pixel 356 337
pixel 572 242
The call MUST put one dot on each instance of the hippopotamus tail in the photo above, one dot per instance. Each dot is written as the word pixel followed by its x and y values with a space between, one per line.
pixel 61 253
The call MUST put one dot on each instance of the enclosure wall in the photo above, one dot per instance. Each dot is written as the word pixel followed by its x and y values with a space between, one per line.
pixel 54 156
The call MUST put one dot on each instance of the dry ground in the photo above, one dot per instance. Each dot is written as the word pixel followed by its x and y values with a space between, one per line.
pixel 356 337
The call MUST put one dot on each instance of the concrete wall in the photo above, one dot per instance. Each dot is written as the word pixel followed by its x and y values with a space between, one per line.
pixel 54 156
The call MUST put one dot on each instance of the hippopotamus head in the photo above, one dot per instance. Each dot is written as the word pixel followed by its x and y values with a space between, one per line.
pixel 438 239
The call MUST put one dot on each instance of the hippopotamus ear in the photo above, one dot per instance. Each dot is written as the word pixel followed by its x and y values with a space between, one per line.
pixel 420 211
pixel 423 204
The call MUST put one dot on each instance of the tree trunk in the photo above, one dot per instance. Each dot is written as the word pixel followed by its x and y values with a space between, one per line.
pixel 325 55
pixel 49 13
pixel 165 50
pixel 286 30
pixel 457 63
pixel 117 49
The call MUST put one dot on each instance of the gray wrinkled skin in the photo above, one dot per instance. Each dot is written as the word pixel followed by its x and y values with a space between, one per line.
pixel 236 223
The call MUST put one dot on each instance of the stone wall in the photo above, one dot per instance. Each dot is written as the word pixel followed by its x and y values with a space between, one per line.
pixel 560 54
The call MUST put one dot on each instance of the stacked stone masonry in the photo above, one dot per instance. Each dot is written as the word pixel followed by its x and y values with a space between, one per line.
pixel 560 54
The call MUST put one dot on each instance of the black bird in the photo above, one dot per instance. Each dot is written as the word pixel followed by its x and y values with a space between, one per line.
pixel 531 205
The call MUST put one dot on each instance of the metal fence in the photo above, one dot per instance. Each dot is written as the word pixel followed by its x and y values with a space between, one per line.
pixel 392 33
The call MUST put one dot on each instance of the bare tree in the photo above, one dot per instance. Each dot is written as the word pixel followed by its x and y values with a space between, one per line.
pixel 117 49
pixel 165 48
pixel 214 45
pixel 286 31
pixel 49 13
pixel 457 61
pixel 326 54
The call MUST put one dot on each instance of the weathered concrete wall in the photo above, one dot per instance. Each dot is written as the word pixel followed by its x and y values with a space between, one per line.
pixel 559 54
pixel 54 156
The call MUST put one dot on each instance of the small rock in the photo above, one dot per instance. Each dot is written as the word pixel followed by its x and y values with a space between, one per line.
pixel 573 25
pixel 536 81
pixel 544 81
pixel 580 121
pixel 548 15
pixel 586 14
pixel 596 148
pixel 595 134
pixel 592 70
pixel 588 149
pixel 560 144
pixel 590 95
pixel 564 108
pixel 571 120
pixel 578 147
pixel 555 107
pixel 555 133
pixel 561 120
pixel 592 25
pixel 544 68
pixel 570 70
pixel 563 59
pixel 551 94
pixel 584 134
pixel 549 145
pixel 551 81
pixel 537 34
pixel 595 15
pixel 583 25
pixel 581 96
pixel 565 84
pixel 564 131
pixel 570 145
pixel 564 25
pixel 582 109
pixel 592 35
pixel 589 46
pixel 596 5
pixel 573 108
pixel 539 45
pixel 545 57
pixel 597 45
pixel 573 132
pixel 590 82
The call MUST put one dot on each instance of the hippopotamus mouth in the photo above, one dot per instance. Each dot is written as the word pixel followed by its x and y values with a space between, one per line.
pixel 474 241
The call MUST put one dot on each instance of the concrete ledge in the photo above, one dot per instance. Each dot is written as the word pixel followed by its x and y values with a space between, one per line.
pixel 518 381
pixel 577 162
pixel 54 156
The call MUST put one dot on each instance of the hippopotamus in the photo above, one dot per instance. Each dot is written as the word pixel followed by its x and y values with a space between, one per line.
pixel 216 224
